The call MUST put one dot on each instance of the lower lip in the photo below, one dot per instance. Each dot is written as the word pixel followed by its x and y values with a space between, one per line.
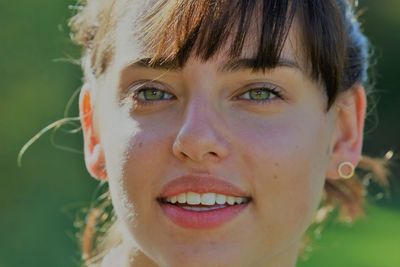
pixel 201 219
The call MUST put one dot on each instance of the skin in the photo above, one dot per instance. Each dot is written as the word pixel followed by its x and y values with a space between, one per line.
pixel 280 152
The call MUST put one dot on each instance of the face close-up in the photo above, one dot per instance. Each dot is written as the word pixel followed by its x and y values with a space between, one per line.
pixel 219 129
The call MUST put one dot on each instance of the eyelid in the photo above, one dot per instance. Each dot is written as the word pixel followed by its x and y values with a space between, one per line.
pixel 139 86
pixel 272 88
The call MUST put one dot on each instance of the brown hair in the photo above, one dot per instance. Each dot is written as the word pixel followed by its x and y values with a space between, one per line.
pixel 336 49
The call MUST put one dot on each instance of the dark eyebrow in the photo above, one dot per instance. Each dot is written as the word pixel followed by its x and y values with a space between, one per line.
pixel 231 65
pixel 251 63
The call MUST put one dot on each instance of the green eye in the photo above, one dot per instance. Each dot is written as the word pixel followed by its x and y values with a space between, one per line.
pixel 152 94
pixel 261 95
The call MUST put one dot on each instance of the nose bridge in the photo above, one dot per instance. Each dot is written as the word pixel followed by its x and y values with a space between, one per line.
pixel 197 115
pixel 199 136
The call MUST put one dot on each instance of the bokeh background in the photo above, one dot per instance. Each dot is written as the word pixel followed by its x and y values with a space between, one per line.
pixel 40 200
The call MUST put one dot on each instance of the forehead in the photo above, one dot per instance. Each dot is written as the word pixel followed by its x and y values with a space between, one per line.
pixel 131 47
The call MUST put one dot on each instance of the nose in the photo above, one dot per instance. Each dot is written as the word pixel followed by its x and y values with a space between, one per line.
pixel 201 137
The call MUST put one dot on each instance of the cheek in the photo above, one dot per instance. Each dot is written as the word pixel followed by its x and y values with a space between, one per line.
pixel 145 160
pixel 286 162
pixel 120 136
pixel 146 163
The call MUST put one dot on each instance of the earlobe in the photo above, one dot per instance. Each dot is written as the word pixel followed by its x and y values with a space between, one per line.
pixel 94 154
pixel 348 137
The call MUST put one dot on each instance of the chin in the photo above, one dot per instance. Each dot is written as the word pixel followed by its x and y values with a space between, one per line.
pixel 210 255
pixel 201 262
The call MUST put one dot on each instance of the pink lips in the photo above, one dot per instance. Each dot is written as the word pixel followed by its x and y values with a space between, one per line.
pixel 203 219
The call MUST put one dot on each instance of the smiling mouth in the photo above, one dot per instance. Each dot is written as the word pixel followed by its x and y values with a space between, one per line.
pixel 193 214
pixel 201 207
pixel 203 201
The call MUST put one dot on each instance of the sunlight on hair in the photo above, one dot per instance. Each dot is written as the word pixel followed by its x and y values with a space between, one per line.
pixel 57 124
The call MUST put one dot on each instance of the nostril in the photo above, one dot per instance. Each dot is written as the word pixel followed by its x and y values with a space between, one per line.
pixel 184 156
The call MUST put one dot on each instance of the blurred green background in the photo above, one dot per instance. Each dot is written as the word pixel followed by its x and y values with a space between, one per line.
pixel 38 201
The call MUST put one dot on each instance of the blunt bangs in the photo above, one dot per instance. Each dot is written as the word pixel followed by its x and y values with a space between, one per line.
pixel 201 28
pixel 175 30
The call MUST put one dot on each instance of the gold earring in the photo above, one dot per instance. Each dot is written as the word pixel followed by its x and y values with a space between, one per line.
pixel 343 165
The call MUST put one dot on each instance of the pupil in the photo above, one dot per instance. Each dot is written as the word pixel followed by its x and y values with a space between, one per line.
pixel 259 94
pixel 153 94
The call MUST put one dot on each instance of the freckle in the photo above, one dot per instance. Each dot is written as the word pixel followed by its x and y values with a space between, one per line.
pixel 275 177
pixel 276 164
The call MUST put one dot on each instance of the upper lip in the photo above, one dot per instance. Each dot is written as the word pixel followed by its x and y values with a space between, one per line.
pixel 200 184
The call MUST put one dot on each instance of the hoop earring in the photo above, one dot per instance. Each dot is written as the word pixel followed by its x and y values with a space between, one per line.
pixel 343 165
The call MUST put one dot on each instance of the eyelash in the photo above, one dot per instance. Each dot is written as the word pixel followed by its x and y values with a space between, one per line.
pixel 270 89
pixel 141 89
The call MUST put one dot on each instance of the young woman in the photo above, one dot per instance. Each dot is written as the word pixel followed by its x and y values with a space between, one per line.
pixel 220 126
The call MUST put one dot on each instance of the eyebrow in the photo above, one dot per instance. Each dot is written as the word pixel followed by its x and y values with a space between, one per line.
pixel 232 65
pixel 161 64
pixel 251 63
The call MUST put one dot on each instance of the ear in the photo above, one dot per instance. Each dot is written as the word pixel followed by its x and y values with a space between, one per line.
pixel 94 154
pixel 348 137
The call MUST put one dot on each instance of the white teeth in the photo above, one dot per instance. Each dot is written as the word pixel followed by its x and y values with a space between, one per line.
pixel 208 199
pixel 173 199
pixel 182 198
pixel 221 199
pixel 239 200
pixel 230 200
pixel 193 198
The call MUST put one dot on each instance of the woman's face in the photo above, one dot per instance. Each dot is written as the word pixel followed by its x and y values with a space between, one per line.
pixel 265 133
